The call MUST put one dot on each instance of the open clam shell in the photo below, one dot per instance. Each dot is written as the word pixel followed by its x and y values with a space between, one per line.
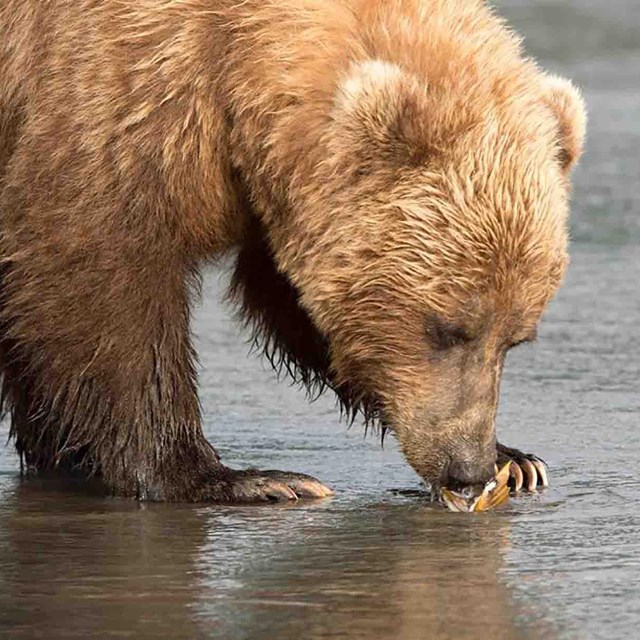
pixel 493 494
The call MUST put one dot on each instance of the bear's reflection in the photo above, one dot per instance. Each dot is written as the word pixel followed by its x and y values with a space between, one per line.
pixel 398 570
pixel 79 566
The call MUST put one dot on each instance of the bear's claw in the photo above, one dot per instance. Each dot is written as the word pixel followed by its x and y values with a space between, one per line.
pixel 526 470
pixel 254 485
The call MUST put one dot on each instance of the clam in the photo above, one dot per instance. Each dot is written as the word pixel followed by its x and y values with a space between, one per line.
pixel 473 499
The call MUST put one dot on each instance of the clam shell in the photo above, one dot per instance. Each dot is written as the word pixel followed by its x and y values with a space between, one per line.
pixel 494 493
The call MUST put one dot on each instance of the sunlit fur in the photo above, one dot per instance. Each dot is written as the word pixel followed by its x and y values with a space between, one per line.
pixel 373 162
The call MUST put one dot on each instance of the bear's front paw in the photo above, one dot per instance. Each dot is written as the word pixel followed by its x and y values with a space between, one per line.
pixel 526 470
pixel 254 485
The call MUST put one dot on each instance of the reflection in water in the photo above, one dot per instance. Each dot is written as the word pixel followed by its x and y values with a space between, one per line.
pixel 379 571
pixel 82 567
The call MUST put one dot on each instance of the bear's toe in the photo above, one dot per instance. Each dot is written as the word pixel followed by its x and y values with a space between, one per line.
pixel 275 486
pixel 527 470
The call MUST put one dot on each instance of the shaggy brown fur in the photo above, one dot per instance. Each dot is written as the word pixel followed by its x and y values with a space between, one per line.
pixel 394 174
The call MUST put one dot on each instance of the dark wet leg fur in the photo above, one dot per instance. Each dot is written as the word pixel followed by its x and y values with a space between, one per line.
pixel 527 470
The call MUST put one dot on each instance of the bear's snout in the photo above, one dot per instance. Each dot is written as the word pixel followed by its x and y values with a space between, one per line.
pixel 452 453
pixel 468 473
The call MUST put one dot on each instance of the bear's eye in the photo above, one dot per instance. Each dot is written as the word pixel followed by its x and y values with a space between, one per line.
pixel 444 335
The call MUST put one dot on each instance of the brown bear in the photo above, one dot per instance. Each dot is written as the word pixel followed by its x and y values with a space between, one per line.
pixel 394 177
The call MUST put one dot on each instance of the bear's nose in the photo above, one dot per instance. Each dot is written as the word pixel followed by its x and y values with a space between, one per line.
pixel 462 474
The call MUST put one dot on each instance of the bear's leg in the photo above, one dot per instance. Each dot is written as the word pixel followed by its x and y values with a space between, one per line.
pixel 526 471
pixel 142 437
pixel 95 352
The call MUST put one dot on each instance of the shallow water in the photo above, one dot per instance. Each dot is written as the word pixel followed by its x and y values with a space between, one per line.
pixel 371 562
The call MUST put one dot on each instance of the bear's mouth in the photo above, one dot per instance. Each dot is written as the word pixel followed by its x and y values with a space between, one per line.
pixel 477 499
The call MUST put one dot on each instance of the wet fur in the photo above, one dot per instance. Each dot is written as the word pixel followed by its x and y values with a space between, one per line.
pixel 128 161
pixel 268 305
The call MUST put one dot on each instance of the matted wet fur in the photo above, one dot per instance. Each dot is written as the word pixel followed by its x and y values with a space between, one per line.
pixel 393 176
pixel 282 331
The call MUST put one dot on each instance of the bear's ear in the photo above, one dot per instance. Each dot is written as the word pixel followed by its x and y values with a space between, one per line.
pixel 566 102
pixel 379 112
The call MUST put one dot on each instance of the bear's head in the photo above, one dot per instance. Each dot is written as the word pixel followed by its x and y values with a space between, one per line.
pixel 442 239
